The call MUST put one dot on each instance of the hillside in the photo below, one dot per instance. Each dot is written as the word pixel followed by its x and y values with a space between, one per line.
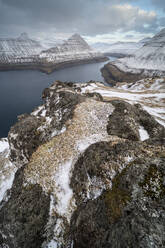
pixel 150 57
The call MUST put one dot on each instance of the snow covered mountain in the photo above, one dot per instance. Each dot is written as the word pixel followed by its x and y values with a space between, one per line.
pixel 145 40
pixel 24 52
pixel 14 50
pixel 49 42
pixel 118 49
pixel 150 57
pixel 75 48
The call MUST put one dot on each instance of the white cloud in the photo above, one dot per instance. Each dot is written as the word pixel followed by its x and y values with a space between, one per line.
pixel 122 18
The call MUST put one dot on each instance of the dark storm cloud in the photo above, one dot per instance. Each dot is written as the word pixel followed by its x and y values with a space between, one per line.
pixel 159 4
pixel 88 17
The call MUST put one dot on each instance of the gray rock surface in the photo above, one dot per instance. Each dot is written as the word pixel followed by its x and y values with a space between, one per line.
pixel 84 178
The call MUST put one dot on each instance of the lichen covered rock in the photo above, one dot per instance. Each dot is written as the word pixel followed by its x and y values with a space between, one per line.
pixel 90 171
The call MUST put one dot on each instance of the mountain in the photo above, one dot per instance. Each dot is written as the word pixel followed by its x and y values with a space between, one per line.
pixel 151 57
pixel 49 42
pixel 118 49
pixel 75 48
pixel 86 169
pixel 23 48
pixel 25 53
pixel 145 40
pixel 148 61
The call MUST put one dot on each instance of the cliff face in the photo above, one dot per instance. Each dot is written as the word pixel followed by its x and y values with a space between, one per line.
pixel 89 169
pixel 22 53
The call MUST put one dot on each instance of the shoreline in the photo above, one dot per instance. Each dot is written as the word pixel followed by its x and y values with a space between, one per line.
pixel 112 74
pixel 49 67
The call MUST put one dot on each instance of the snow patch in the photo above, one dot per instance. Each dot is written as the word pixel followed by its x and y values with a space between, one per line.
pixel 143 134
pixel 4 144
pixel 64 193
pixel 6 181
pixel 52 244
pixel 35 113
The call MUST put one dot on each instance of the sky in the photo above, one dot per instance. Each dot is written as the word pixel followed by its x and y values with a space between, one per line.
pixel 96 20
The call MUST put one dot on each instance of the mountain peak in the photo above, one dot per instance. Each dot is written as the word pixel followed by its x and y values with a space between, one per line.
pixel 24 36
pixel 77 41
pixel 76 36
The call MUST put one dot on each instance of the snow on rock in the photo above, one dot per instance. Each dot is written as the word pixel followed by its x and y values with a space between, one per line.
pixel 7 169
pixel 143 133
pixel 6 178
pixel 150 93
pixel 4 145
pixel 88 126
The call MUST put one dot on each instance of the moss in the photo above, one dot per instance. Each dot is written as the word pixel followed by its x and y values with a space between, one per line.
pixel 117 198
pixel 153 183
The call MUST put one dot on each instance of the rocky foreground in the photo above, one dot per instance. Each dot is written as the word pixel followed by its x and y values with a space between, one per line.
pixel 86 169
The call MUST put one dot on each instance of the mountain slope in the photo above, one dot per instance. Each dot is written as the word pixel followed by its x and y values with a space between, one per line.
pixel 150 57
pixel 75 48
pixel 13 50
pixel 119 49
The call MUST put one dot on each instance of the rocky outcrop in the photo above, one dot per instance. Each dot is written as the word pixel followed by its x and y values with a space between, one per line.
pixel 131 214
pixel 89 170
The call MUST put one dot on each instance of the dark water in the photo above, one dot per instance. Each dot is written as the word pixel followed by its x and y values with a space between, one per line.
pixel 20 91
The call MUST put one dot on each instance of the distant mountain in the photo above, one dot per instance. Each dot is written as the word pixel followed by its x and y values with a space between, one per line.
pixel 21 48
pixel 23 36
pixel 145 40
pixel 149 57
pixel 75 48
pixel 48 42
pixel 23 52
pixel 118 49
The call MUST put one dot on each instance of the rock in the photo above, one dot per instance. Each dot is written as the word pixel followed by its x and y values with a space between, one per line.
pixel 112 75
pixel 24 216
pixel 45 122
pixel 126 119
pixel 131 214
pixel 85 175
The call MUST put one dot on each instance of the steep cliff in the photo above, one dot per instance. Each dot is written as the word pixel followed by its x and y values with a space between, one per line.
pixel 86 169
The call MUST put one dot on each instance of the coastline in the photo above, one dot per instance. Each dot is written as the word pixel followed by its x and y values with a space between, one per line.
pixel 112 74
pixel 50 67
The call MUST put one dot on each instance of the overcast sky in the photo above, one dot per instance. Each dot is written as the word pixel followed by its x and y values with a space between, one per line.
pixel 96 20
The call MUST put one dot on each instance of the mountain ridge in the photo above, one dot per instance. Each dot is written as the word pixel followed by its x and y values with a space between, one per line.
pixel 25 53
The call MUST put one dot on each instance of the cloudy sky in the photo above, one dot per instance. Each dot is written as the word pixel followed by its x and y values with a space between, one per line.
pixel 96 20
